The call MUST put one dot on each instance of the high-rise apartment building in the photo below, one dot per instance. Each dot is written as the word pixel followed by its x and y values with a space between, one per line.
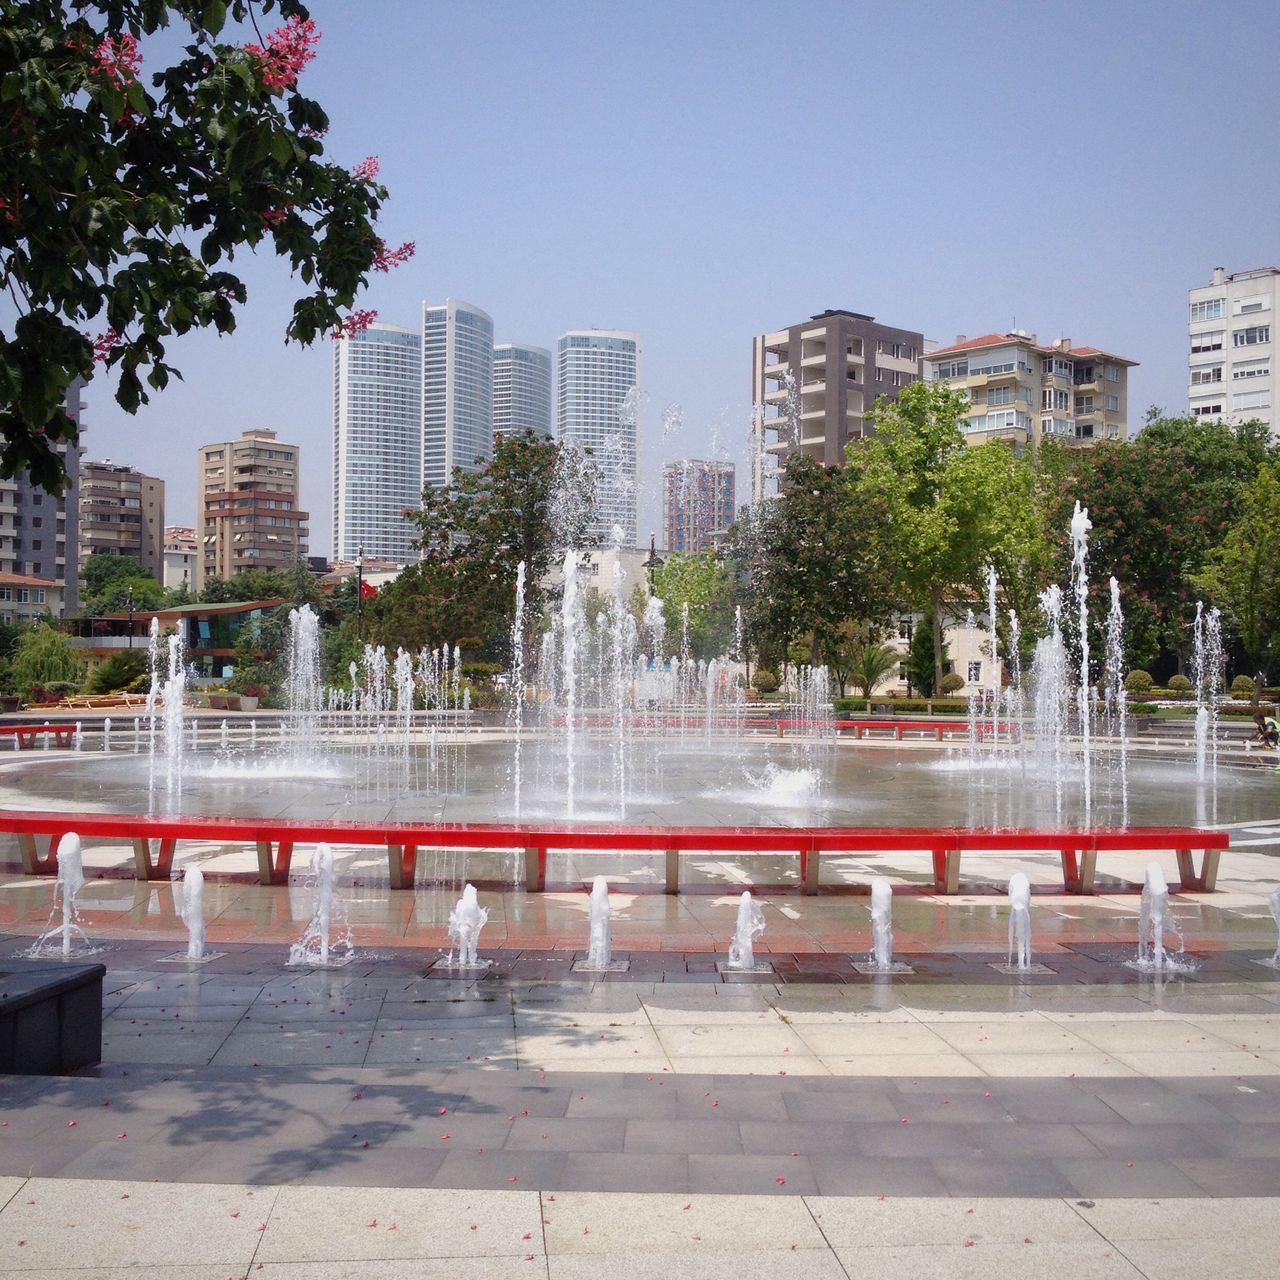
pixel 697 503
pixel 457 389
pixel 1022 392
pixel 377 442
pixel 521 389
pixel 597 411
pixel 814 383
pixel 1232 362
pixel 248 504
pixel 122 514
pixel 39 534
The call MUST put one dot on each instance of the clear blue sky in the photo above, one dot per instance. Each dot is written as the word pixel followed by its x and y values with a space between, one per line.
pixel 705 171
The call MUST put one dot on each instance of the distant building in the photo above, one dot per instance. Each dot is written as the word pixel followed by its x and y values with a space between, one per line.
pixel 1232 366
pixel 39 534
pixel 122 514
pixel 597 412
pixel 521 389
pixel 697 503
pixel 377 442
pixel 180 555
pixel 1022 392
pixel 457 390
pixel 596 568
pixel 814 383
pixel 23 597
pixel 248 503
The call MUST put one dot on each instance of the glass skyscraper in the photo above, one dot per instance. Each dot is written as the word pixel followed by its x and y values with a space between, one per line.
pixel 597 403
pixel 521 389
pixel 457 389
pixel 377 442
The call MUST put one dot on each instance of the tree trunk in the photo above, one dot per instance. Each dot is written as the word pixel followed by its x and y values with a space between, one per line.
pixel 937 640
pixel 815 650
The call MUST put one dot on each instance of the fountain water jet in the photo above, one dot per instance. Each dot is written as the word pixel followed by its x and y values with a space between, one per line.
pixel 70 881
pixel 1019 920
pixel 750 924
pixel 600 937
pixel 193 911
pixel 1153 920
pixel 880 960
pixel 466 920
pixel 315 949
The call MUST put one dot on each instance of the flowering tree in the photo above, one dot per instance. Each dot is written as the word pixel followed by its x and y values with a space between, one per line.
pixel 123 202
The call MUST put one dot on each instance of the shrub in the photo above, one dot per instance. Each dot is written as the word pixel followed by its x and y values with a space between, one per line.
pixel 44 658
pixel 1242 687
pixel 1138 681
pixel 1179 686
pixel 119 671
pixel 765 681
pixel 8 683
pixel 952 682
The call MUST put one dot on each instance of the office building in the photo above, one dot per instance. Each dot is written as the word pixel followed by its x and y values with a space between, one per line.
pixel 521 389
pixel 697 503
pixel 597 411
pixel 122 514
pixel 39 533
pixel 1022 392
pixel 457 390
pixel 248 503
pixel 1231 366
pixel 814 384
pixel 377 442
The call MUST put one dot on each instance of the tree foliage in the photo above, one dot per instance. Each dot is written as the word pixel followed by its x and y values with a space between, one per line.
pixel 702 581
pixel 45 657
pixel 124 197
pixel 116 584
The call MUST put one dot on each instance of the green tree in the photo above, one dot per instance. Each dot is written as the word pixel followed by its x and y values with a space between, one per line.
pixel 475 532
pixel 1242 575
pixel 45 657
pixel 124 201
pixel 1159 504
pixel 922 667
pixel 702 581
pixel 116 584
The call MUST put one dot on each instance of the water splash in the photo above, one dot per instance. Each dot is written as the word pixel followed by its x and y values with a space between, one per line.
pixel 750 925
pixel 316 948
pixel 1019 921
pixel 192 911
pixel 60 939
pixel 881 956
pixel 600 936
pixel 466 920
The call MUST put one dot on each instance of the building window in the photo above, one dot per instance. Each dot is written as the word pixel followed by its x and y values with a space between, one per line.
pixel 1255 336
pixel 1201 376
pixel 999 395
pixel 1248 308
pixel 1210 310
pixel 1084 404
pixel 1207 341
pixel 975 672
pixel 1206 410
pixel 951 369
pixel 1113 404
pixel 1250 371
pixel 1113 373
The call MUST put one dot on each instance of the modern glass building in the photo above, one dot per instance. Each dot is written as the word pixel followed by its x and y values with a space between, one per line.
pixel 597 405
pixel 521 389
pixel 457 389
pixel 377 442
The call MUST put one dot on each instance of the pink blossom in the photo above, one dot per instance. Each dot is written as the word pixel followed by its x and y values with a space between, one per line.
pixel 104 344
pixel 289 49
pixel 367 169
pixel 384 259
pixel 117 60
pixel 274 217
pixel 356 322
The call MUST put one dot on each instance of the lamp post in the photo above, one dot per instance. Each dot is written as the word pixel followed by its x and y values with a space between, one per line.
pixel 653 563
pixel 359 592
pixel 907 630
pixel 130 604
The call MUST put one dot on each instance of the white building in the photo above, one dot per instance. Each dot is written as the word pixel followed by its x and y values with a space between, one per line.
pixel 180 554
pixel 597 405
pixel 457 389
pixel 377 442
pixel 1231 365
pixel 521 389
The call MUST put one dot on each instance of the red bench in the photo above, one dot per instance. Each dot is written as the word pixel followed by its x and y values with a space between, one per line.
pixel 26 734
pixel 154 840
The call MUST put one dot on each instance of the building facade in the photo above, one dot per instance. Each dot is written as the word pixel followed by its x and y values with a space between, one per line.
pixel 248 500
pixel 377 442
pixel 122 514
pixel 597 412
pixel 1231 365
pixel 521 389
pixel 813 385
pixel 180 555
pixel 1022 392
pixel 24 598
pixel 698 503
pixel 39 534
pixel 457 390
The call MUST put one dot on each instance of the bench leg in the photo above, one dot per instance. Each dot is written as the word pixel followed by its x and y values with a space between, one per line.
pixel 147 868
pixel 1070 870
pixel 535 870
pixel 402 865
pixel 1088 869
pixel 32 863
pixel 671 870
pixel 1208 878
pixel 946 870
pixel 810 869
pixel 274 869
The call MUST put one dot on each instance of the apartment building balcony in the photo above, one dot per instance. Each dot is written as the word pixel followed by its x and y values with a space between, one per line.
pixel 775 396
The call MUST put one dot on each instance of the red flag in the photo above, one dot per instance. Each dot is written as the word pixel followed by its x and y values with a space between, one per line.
pixel 367 589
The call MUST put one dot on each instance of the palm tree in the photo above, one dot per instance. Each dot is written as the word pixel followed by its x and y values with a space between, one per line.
pixel 872 664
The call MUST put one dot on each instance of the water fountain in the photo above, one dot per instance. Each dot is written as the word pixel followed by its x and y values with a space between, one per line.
pixel 60 940
pixel 880 960
pixel 1019 921
pixel 750 925
pixel 1153 920
pixel 1273 904
pixel 599 937
pixel 315 950
pixel 189 892
pixel 465 922
pixel 106 734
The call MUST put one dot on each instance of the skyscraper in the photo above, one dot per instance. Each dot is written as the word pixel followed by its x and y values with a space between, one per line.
pixel 697 503
pixel 457 389
pixel 597 401
pixel 521 389
pixel 377 442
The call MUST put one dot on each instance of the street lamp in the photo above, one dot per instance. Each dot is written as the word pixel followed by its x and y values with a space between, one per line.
pixel 130 603
pixel 653 563
pixel 359 592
